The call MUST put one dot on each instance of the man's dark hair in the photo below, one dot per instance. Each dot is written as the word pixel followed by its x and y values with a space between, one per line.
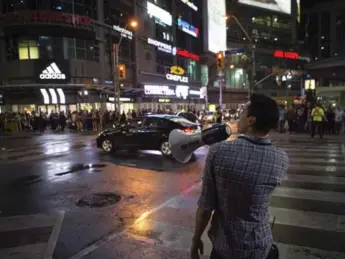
pixel 266 112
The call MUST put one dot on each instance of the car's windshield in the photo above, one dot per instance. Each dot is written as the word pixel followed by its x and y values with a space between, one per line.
pixel 180 120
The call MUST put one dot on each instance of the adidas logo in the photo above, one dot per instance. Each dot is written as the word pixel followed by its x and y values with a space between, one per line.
pixel 52 72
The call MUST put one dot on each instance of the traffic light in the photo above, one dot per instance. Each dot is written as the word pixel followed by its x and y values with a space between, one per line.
pixel 121 71
pixel 220 60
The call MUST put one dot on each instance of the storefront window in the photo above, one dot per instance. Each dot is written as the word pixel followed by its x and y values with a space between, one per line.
pixel 47 47
pixel 192 70
pixel 28 49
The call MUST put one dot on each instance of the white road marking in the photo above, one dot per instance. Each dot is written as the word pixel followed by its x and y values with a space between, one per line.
pixel 54 236
pixel 309 194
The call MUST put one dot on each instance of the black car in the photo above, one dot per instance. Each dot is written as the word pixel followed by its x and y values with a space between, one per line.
pixel 189 116
pixel 150 132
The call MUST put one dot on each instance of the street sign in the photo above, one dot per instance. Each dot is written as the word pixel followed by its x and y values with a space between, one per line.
pixel 235 51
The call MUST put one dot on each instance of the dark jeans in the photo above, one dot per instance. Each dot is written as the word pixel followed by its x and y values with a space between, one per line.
pixel 317 125
pixel 281 126
pixel 338 127
pixel 274 254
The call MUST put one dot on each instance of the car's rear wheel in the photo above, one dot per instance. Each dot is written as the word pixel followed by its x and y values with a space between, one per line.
pixel 107 146
pixel 165 148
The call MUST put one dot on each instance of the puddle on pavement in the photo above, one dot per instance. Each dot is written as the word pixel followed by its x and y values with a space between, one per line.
pixel 98 200
pixel 27 180
pixel 80 167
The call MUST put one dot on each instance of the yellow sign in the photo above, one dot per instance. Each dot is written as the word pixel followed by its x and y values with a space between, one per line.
pixel 176 70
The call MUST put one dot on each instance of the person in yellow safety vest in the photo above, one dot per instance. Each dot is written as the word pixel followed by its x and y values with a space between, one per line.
pixel 317 119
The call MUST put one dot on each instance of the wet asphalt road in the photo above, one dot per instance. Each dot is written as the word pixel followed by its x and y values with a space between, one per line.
pixel 42 174
pixel 44 178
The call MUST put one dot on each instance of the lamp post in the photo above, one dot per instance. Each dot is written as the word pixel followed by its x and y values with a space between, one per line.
pixel 252 81
pixel 309 86
pixel 115 63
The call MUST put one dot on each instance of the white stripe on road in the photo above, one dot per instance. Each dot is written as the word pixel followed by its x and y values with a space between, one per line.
pixel 319 168
pixel 309 194
pixel 307 219
pixel 315 179
pixel 330 161
pixel 23 252
pixel 299 252
pixel 26 222
pixel 48 254
pixel 312 150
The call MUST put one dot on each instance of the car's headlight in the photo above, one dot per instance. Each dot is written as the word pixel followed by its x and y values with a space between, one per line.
pixel 100 134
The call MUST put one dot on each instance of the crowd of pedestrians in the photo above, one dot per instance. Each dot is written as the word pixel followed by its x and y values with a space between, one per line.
pixel 309 120
pixel 94 120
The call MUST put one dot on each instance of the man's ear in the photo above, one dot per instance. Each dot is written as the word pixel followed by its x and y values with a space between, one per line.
pixel 251 120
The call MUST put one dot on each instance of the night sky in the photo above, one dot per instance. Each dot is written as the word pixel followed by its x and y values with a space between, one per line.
pixel 310 3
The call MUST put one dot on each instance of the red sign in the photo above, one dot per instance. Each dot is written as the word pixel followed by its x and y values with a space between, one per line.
pixel 48 17
pixel 187 54
pixel 288 55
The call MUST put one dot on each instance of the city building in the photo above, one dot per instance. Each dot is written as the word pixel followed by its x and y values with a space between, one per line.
pixel 168 54
pixel 270 30
pixel 325 36
pixel 59 54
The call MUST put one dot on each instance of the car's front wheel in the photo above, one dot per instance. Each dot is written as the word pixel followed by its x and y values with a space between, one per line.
pixel 165 148
pixel 107 146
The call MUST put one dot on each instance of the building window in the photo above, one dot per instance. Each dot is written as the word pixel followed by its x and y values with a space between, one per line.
pixel 236 78
pixel 192 70
pixel 28 49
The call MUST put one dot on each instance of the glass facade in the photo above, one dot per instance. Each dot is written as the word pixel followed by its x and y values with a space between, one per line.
pixel 47 47
pixel 80 7
pixel 236 78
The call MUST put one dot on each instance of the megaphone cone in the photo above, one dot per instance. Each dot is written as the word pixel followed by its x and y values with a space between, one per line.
pixel 182 145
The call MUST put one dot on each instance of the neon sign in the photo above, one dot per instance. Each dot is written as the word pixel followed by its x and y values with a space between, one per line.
pixel 187 28
pixel 177 78
pixel 190 4
pixel 185 53
pixel 159 13
pixel 124 33
pixel 287 55
pixel 159 90
pixel 161 45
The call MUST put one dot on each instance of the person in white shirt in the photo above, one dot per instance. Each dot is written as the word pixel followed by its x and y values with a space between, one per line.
pixel 339 115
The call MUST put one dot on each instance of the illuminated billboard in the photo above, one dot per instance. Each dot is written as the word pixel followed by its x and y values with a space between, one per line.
pixel 283 6
pixel 216 19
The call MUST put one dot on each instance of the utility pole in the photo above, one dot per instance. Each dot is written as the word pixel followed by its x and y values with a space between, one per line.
pixel 115 49
pixel 253 47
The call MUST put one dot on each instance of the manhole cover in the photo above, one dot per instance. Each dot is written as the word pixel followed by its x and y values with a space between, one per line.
pixel 99 200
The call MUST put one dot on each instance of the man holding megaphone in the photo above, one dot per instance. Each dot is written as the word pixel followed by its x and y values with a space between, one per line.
pixel 239 178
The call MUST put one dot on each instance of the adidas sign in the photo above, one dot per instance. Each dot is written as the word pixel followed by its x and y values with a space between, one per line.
pixel 52 72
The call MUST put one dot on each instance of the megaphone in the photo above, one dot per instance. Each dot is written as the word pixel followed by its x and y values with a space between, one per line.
pixel 182 145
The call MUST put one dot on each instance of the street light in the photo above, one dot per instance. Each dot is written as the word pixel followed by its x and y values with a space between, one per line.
pixel 252 83
pixel 134 24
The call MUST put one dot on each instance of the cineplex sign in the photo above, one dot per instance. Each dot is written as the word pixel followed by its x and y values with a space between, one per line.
pixel 161 46
pixel 180 91
pixel 176 74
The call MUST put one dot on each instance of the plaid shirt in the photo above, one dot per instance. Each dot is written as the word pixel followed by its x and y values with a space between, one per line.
pixel 239 179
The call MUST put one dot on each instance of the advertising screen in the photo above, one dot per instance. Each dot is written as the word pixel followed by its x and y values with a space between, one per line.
pixel 216 15
pixel 283 6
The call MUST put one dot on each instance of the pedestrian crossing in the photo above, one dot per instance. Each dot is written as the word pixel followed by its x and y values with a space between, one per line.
pixel 30 236
pixel 309 209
